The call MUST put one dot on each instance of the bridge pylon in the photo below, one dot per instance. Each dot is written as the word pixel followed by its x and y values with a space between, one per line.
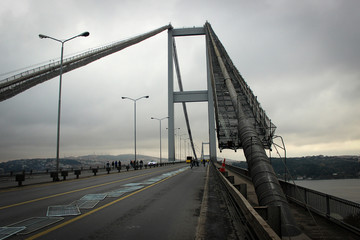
pixel 188 96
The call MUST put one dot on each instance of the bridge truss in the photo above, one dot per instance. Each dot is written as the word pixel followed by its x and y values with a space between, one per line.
pixel 226 119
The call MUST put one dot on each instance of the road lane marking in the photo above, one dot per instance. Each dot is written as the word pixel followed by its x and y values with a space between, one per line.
pixel 97 209
pixel 73 191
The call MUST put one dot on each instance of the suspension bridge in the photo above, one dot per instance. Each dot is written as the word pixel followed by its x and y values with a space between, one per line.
pixel 236 118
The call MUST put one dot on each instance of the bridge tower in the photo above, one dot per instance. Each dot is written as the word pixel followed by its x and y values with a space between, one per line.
pixel 188 96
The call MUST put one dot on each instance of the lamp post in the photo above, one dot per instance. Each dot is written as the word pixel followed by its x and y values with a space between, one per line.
pixel 84 34
pixel 135 100
pixel 160 119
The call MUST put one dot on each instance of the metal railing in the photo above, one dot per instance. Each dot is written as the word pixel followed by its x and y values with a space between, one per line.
pixel 344 212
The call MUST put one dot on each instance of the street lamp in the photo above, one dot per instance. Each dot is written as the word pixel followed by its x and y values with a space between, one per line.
pixel 84 34
pixel 159 119
pixel 135 100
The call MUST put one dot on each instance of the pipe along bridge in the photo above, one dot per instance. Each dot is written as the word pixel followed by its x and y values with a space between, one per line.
pixel 240 122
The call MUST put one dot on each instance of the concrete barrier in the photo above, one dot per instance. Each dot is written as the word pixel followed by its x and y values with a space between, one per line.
pixel 77 173
pixel 20 178
pixel 64 174
pixel 54 176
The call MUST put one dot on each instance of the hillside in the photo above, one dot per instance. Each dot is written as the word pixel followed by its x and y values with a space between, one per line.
pixel 316 167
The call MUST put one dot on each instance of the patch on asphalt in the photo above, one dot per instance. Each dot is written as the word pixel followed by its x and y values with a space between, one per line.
pixel 63 210
pixel 6 232
pixel 85 204
pixel 35 223
pixel 114 194
pixel 94 197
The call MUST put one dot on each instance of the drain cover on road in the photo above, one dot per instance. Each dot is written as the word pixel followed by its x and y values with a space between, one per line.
pixel 85 204
pixel 63 210
pixel 6 232
pixel 35 223
pixel 94 197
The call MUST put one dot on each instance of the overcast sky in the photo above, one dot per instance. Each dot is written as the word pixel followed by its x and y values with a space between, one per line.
pixel 300 58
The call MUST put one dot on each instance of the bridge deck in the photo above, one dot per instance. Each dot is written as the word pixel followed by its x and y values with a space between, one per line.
pixel 211 212
pixel 184 205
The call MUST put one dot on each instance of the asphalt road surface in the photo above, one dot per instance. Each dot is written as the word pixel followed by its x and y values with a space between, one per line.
pixel 157 203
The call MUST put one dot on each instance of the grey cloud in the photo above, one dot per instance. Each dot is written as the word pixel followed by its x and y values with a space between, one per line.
pixel 300 59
